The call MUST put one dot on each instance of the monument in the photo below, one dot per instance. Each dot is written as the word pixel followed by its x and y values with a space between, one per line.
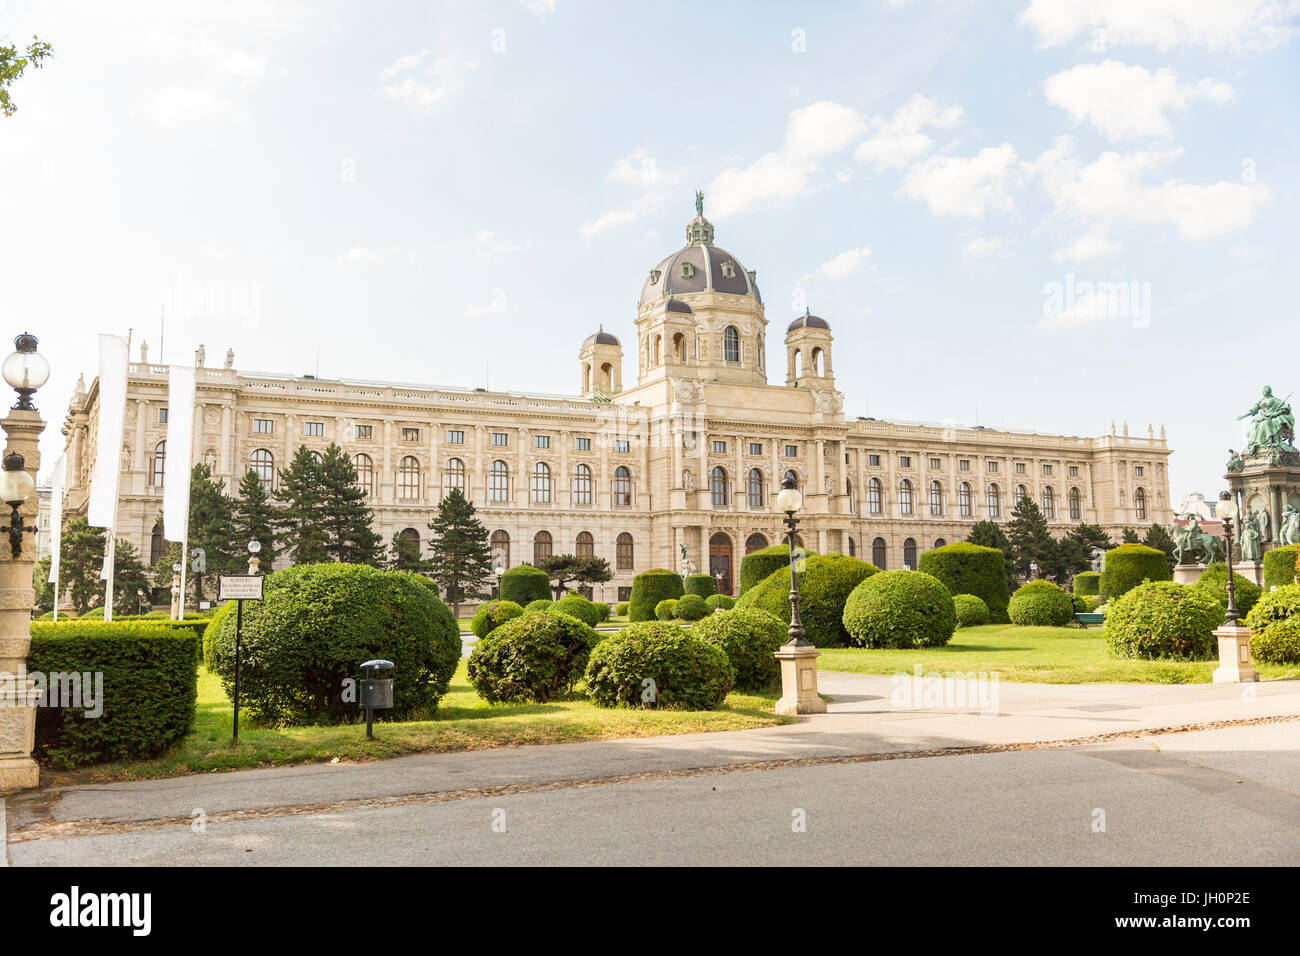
pixel 1264 479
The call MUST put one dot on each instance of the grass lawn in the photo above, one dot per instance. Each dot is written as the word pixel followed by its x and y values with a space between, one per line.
pixel 1046 655
pixel 464 722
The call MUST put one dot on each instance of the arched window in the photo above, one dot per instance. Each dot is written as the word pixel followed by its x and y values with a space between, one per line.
pixel 623 552
pixel 1076 506
pixel 1140 504
pixel 853 548
pixel 157 545
pixel 731 344
pixel 585 546
pixel 904 497
pixel 792 474
pixel 816 362
pixel 875 496
pixel 262 464
pixel 582 485
pixel 498 481
pixel 754 488
pixel 1021 493
pixel 456 475
pixel 936 498
pixel 909 553
pixel 657 350
pixel 541 546
pixel 718 486
pixel 365 468
pixel 500 545
pixel 679 348
pixel 994 502
pixel 878 553
pixel 539 484
pixel 1049 503
pixel 963 500
pixel 158 466
pixel 408 479
pixel 411 537
pixel 720 562
pixel 622 487
pixel 755 542
pixel 939 542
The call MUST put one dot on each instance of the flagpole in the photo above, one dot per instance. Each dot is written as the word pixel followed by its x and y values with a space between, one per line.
pixel 101 509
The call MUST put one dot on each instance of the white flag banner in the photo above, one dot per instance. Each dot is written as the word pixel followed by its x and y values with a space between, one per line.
pixel 56 521
pixel 102 507
pixel 180 448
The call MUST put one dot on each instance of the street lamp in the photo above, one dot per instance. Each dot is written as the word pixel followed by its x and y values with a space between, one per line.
pixel 798 656
pixel 16 486
pixel 254 548
pixel 1227 512
pixel 1235 664
pixel 790 500
pixel 25 370
pixel 498 571
pixel 717 582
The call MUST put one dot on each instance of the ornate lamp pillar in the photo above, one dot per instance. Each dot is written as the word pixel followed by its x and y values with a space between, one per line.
pixel 1235 664
pixel 798 656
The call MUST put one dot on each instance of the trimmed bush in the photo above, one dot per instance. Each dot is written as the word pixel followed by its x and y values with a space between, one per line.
pixel 900 609
pixel 149 692
pixel 1214 581
pixel 691 607
pixel 965 568
pixel 701 584
pixel 525 584
pixel 1040 604
pixel 68 614
pixel 492 615
pixel 1127 566
pixel 666 610
pixel 686 671
pixel 210 633
pixel 651 587
pixel 579 607
pixel 758 566
pixel 605 611
pixel 1161 619
pixel 536 657
pixel 1083 603
pixel 620 610
pixel 1087 582
pixel 1279 643
pixel 1273 619
pixel 824 586
pixel 533 607
pixel 971 611
pixel 1280 566
pixel 750 638
pixel 720 602
pixel 318 623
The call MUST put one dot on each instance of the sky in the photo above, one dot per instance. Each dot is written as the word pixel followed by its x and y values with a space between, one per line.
pixel 1044 214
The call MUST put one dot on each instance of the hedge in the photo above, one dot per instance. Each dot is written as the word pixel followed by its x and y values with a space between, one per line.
pixel 1214 581
pixel 701 584
pixel 1275 619
pixel 900 609
pixel 750 638
pixel 758 565
pixel 720 602
pixel 536 657
pixel 621 609
pixel 1280 566
pixel 492 615
pixel 1040 604
pixel 824 586
pixel 1127 566
pixel 579 607
pixel 305 641
pixel 1277 605
pixel 691 607
pixel 965 568
pixel 1161 619
pixel 666 610
pixel 971 610
pixel 1087 582
pixel 149 692
pixel 651 587
pixel 525 584
pixel 659 665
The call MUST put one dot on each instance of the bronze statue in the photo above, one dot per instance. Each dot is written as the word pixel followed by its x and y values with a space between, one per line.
pixel 1272 425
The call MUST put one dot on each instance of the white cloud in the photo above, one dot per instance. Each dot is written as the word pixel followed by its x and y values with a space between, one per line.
pixel 1125 100
pixel 982 248
pixel 177 105
pixel 964 186
pixel 1092 245
pixel 542 8
pixel 899 140
pixel 1090 302
pixel 1164 24
pixel 426 89
pixel 847 263
pixel 811 134
pixel 488 245
pixel 403 63
pixel 371 255
pixel 1111 187
pixel 623 214
pixel 639 168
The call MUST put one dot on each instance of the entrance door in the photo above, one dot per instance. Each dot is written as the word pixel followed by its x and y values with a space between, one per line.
pixel 720 562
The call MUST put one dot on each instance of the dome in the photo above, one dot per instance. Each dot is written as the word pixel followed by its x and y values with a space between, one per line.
pixel 699 266
pixel 601 338
pixel 809 321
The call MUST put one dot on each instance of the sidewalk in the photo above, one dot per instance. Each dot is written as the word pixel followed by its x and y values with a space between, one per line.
pixel 860 721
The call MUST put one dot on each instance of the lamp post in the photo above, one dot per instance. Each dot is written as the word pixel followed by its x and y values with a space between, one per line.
pixel 254 547
pixel 1235 664
pixel 176 591
pixel 1033 570
pixel 717 582
pixel 25 370
pixel 798 656
pixel 498 571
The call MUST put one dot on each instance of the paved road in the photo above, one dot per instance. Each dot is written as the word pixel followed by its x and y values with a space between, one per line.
pixel 1227 796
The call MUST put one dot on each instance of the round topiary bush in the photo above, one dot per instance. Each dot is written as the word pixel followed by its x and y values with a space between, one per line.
pixel 651 587
pixel 1161 619
pixel 659 665
pixel 720 602
pixel 1087 582
pixel 1127 566
pixel 666 610
pixel 542 605
pixel 824 587
pixel 1279 643
pixel 1279 604
pixel 691 607
pixel 1083 603
pixel 900 609
pixel 525 584
pixel 701 584
pixel 971 611
pixel 492 615
pixel 536 657
pixel 317 624
pixel 579 607
pixel 621 609
pixel 750 637
pixel 759 565
pixel 1040 604
pixel 605 611
pixel 1280 566
pixel 965 568
pixel 1214 581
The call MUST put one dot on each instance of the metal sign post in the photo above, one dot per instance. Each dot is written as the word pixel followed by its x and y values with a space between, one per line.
pixel 239 588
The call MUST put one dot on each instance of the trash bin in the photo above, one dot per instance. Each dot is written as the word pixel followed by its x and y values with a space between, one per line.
pixel 376 692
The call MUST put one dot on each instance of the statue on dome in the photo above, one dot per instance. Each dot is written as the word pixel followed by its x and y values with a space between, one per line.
pixel 699 201
pixel 1271 426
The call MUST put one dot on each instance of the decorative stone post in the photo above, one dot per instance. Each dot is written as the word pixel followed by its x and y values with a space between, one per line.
pixel 18 770
pixel 1235 664
pixel 798 656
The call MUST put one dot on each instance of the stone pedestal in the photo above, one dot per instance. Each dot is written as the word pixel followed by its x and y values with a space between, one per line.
pixel 1235 664
pixel 1250 571
pixel 799 681
pixel 1188 573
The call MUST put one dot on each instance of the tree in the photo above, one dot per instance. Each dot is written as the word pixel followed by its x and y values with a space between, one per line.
pixel 81 561
pixel 1131 537
pixel 405 555
pixel 213 549
pixel 1032 543
pixel 1077 547
pixel 989 535
pixel 162 568
pixel 460 561
pixel 12 65
pixel 41 585
pixel 350 535
pixel 256 519
pixel 130 580
pixel 300 521
pixel 1158 538
pixel 566 568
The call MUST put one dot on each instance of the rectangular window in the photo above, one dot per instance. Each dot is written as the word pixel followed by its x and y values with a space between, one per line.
pixel 1020 468
pixel 993 467
pixel 755 448
pixel 936 464
pixel 500 439
pixel 1047 469
pixel 455 438
pixel 719 447
pixel 162 416
pixel 263 426
pixel 624 594
pixel 904 461
pixel 584 444
pixel 873 460
pixel 1074 471
pixel 963 465
pixel 1137 471
pixel 622 446
pixel 541 441
pixel 791 451
pixel 365 432
pixel 410 434
pixel 313 429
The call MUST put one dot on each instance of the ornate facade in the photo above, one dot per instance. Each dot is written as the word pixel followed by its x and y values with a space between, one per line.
pixel 689 457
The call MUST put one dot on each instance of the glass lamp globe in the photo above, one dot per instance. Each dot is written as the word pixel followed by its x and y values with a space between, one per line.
pixel 16 486
pixel 254 547
pixel 25 369
pixel 498 570
pixel 1227 508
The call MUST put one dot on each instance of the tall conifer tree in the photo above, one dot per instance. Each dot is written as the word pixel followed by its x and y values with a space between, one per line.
pixel 460 561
